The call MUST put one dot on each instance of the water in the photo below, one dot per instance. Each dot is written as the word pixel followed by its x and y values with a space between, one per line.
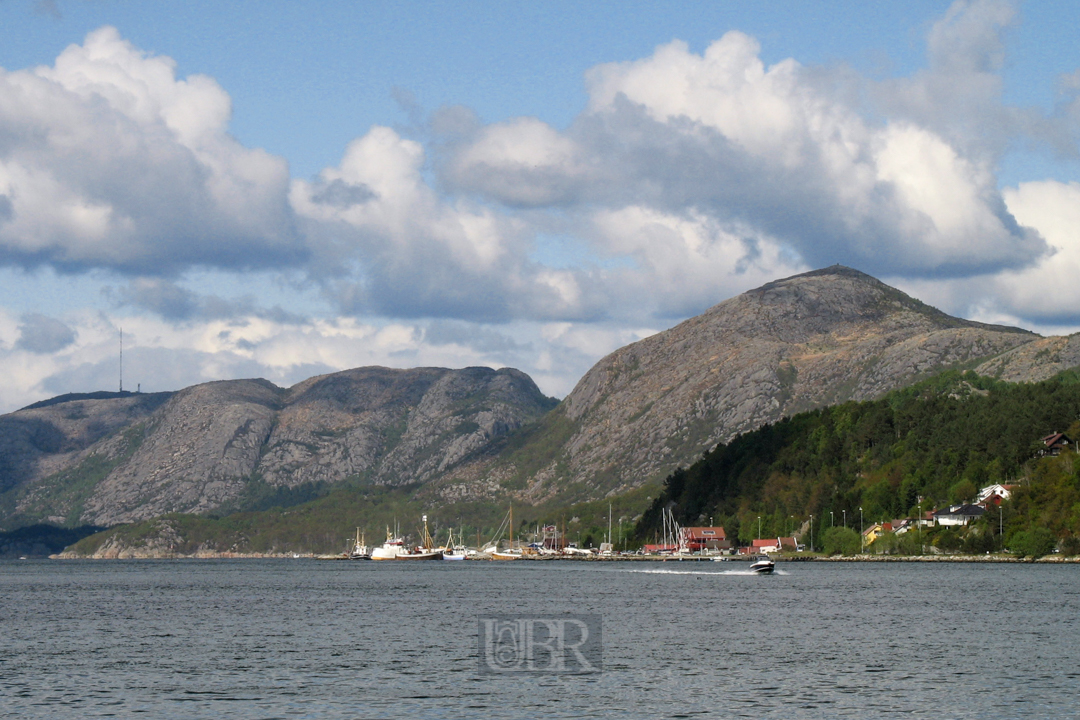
pixel 310 639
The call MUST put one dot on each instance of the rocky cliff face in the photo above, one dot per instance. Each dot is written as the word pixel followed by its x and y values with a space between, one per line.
pixel 203 446
pixel 812 340
pixel 48 437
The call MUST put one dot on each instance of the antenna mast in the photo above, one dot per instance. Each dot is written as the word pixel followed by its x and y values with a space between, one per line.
pixel 121 359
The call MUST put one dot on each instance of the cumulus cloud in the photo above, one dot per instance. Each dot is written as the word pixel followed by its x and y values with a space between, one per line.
pixel 392 245
pixel 42 334
pixel 687 178
pixel 773 151
pixel 108 160
pixel 174 302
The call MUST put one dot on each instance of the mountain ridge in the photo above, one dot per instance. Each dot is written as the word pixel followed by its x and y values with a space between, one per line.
pixel 204 445
pixel 480 435
pixel 797 343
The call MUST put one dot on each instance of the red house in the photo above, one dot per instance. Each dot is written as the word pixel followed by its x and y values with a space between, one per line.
pixel 1055 443
pixel 696 539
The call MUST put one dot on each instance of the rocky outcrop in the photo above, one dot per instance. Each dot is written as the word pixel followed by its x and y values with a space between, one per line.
pixel 1037 360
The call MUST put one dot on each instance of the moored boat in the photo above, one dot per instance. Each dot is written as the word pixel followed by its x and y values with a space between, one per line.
pixel 360 549
pixel 425 551
pixel 420 554
pixel 451 551
pixel 511 552
pixel 390 549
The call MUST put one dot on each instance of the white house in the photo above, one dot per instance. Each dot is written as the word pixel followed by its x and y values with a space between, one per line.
pixel 993 495
pixel 958 515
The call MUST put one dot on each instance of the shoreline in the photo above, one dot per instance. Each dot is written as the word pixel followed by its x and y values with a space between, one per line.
pixel 1046 559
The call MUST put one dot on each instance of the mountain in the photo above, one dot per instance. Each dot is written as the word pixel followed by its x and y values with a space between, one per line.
pixel 456 438
pixel 111 460
pixel 816 339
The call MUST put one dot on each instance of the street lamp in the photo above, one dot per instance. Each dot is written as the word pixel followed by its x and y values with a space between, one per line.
pixel 811 533
pixel 845 518
pixel 862 538
pixel 758 527
pixel 831 523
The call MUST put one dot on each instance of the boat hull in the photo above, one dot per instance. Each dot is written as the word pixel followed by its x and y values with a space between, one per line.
pixel 426 555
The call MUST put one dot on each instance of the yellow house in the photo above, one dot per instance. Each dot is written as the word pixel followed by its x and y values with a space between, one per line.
pixel 875 531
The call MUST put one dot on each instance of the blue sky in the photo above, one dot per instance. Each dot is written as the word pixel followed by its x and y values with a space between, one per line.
pixel 279 189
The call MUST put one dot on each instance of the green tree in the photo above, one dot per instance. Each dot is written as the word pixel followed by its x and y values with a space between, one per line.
pixel 948 539
pixel 841 541
pixel 1033 543
pixel 963 491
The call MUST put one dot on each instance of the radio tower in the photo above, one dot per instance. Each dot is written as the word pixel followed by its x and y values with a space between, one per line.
pixel 121 359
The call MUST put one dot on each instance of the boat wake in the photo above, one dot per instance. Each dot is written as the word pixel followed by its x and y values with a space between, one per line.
pixel 697 572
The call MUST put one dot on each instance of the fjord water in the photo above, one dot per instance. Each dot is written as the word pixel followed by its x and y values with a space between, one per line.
pixel 311 639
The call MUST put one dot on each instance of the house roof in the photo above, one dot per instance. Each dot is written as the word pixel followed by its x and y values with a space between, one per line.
pixel 766 542
pixel 961 510
pixel 704 533
pixel 1056 439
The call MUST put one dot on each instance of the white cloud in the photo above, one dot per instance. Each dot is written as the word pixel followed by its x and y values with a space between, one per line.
pixel 687 178
pixel 401 249
pixel 1047 292
pixel 773 150
pixel 110 161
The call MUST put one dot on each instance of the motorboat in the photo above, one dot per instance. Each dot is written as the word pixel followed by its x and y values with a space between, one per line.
pixel 763 565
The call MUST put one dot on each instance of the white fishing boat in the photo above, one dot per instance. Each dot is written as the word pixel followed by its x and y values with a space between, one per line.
pixel 390 549
pixel 360 549
pixel 763 565
pixel 424 551
pixel 451 551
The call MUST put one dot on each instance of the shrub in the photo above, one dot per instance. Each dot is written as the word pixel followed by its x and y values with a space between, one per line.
pixel 841 541
pixel 1033 543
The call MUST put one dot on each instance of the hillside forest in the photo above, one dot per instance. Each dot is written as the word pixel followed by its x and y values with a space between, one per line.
pixel 916 449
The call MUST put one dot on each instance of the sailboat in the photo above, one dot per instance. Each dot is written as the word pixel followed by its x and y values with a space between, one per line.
pixel 511 553
pixel 360 549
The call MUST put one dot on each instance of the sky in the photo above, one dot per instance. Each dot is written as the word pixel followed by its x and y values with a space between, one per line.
pixel 284 189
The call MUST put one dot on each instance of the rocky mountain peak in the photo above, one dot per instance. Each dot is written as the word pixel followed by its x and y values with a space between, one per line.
pixel 814 339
